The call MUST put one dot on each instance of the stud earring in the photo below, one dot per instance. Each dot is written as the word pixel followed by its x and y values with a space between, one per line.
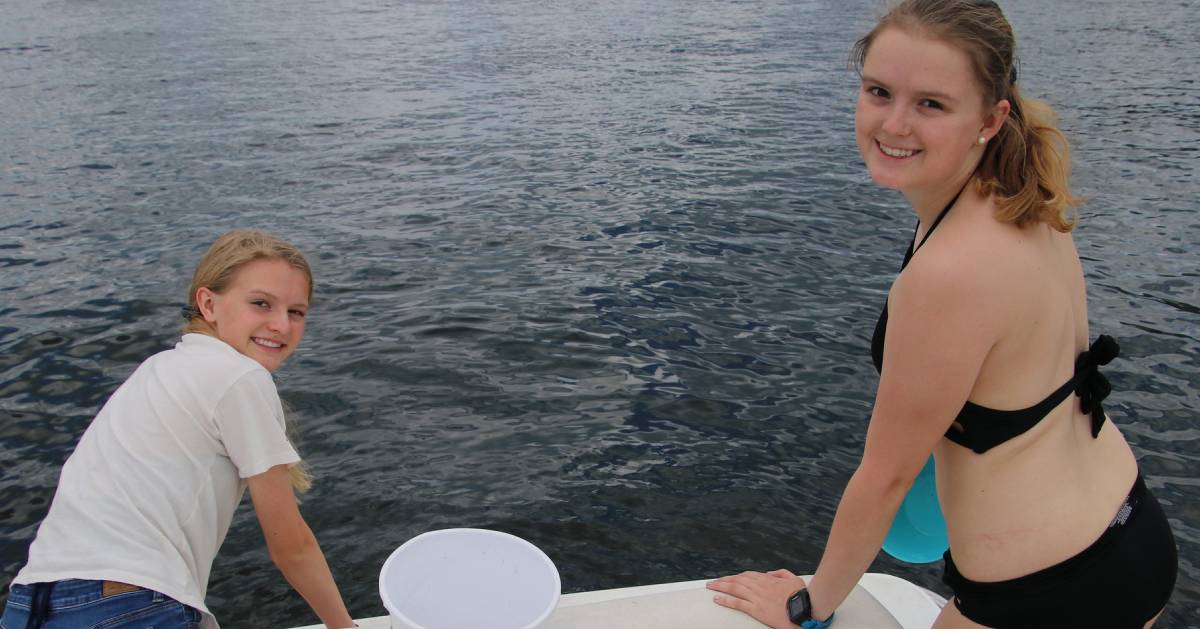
pixel 982 140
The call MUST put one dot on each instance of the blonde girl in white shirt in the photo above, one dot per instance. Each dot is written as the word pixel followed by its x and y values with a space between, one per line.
pixel 145 500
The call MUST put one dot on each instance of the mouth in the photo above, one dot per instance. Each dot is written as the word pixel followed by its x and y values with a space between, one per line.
pixel 267 343
pixel 895 152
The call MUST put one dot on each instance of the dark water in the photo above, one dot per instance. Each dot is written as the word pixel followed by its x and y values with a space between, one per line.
pixel 598 274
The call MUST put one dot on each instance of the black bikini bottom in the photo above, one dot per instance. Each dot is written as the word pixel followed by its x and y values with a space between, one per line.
pixel 1121 580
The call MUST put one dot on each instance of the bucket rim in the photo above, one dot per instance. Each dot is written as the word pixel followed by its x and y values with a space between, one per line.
pixel 508 537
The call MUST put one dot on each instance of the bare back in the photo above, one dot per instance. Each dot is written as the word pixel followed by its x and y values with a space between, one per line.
pixel 1047 494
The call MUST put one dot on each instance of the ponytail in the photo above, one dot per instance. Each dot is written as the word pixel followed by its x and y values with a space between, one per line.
pixel 1027 166
pixel 298 472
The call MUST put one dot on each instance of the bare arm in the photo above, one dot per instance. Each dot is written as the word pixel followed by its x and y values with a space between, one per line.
pixel 293 547
pixel 937 338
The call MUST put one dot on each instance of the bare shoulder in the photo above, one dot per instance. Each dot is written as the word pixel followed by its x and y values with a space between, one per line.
pixel 964 259
pixel 977 268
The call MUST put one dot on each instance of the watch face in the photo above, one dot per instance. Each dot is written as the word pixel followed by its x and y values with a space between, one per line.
pixel 798 607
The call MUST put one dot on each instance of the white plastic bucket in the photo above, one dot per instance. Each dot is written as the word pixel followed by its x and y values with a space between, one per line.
pixel 468 579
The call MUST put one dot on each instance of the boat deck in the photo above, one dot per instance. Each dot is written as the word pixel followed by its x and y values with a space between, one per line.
pixel 879 601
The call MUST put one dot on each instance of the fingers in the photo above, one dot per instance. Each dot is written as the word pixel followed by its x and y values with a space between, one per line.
pixel 732 603
pixel 743 591
pixel 760 595
pixel 733 578
pixel 749 574
pixel 735 587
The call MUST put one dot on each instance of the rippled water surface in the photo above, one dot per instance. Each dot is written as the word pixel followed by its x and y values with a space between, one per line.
pixel 598 274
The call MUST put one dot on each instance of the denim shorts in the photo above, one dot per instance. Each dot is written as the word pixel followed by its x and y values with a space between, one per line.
pixel 76 603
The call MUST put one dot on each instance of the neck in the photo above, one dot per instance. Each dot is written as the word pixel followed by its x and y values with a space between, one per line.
pixel 928 203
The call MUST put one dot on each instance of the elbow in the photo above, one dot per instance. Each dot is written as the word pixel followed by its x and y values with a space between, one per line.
pixel 289 554
pixel 884 486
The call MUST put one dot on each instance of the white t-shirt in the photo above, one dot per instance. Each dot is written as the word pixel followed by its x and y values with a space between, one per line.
pixel 150 491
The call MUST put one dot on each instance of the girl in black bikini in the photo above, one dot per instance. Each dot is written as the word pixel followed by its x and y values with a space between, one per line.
pixel 984 357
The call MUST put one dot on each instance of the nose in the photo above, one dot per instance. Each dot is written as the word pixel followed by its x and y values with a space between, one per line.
pixel 279 321
pixel 896 123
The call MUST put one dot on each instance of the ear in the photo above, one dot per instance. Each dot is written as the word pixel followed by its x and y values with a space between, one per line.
pixel 206 304
pixel 995 118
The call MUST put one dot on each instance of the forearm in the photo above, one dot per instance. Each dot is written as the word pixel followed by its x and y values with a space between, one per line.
pixel 294 548
pixel 862 520
pixel 307 571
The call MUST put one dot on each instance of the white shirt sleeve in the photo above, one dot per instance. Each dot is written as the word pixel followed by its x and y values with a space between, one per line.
pixel 250 420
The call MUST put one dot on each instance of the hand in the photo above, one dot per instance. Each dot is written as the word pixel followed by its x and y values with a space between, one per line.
pixel 762 595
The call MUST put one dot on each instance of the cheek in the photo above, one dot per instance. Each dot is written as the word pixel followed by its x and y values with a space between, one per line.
pixel 864 147
pixel 964 130
pixel 859 115
pixel 860 132
pixel 956 141
pixel 223 316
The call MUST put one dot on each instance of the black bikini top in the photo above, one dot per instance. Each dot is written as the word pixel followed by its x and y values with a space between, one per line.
pixel 980 428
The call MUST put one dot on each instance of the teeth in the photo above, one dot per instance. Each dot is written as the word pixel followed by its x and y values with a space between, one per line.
pixel 266 343
pixel 894 152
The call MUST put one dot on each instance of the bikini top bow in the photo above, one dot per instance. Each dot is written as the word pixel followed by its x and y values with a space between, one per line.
pixel 1090 385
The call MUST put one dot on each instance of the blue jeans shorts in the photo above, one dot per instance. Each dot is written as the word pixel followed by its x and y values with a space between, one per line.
pixel 77 603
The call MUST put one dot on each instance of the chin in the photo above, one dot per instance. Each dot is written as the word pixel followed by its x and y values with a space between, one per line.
pixel 886 180
pixel 270 363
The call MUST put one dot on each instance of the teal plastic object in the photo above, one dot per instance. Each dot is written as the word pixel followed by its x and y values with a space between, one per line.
pixel 918 534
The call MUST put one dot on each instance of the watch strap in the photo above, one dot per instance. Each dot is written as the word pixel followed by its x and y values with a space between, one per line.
pixel 813 623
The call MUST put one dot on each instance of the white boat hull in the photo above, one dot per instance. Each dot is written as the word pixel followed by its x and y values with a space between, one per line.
pixel 880 601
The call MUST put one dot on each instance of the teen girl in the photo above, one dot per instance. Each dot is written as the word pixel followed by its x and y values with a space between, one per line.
pixel 146 498
pixel 986 361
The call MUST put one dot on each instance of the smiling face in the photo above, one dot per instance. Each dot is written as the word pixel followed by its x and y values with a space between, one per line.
pixel 920 114
pixel 262 311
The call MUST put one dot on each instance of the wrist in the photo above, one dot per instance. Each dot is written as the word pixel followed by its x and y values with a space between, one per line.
pixel 800 612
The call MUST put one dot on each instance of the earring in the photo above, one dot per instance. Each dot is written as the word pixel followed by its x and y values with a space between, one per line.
pixel 982 140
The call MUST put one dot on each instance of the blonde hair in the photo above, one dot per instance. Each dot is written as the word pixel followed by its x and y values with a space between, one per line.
pixel 216 271
pixel 1027 165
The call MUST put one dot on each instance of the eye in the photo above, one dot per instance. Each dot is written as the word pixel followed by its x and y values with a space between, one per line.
pixel 298 313
pixel 876 91
pixel 929 103
pixel 261 303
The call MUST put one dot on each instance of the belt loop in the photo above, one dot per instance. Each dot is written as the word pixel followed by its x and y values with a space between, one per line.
pixel 39 606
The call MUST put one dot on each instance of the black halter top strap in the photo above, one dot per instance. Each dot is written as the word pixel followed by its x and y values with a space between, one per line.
pixel 937 221
pixel 881 325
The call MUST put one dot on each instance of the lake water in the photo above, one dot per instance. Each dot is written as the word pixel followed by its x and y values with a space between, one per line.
pixel 598 274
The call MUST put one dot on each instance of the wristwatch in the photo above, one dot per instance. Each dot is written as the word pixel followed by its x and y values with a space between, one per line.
pixel 799 611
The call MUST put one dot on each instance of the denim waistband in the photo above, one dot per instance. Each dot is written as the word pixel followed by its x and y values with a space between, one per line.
pixel 66 592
